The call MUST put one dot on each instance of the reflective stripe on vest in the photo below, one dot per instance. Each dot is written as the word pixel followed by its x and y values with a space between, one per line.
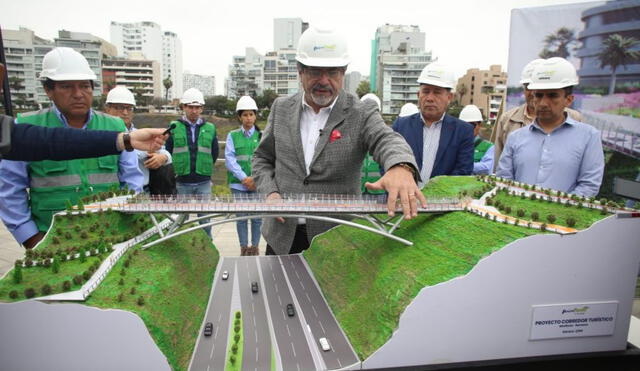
pixel 55 181
pixel 103 178
pixel 180 150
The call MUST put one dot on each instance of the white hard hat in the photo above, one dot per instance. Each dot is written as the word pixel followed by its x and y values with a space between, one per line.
pixel 65 64
pixel 553 73
pixel 470 113
pixel 408 109
pixel 373 97
pixel 525 77
pixel 438 75
pixel 192 97
pixel 322 48
pixel 120 94
pixel 246 103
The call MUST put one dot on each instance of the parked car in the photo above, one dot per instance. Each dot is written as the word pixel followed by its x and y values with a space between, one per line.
pixel 324 344
pixel 254 287
pixel 290 311
pixel 225 275
pixel 208 329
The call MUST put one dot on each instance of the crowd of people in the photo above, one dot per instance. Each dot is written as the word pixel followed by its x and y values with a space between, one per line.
pixel 320 140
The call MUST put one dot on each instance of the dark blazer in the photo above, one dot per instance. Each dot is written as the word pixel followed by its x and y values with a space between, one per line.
pixel 37 143
pixel 455 149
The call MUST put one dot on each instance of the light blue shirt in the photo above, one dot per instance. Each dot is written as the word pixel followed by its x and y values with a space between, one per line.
pixel 143 156
pixel 569 159
pixel 485 165
pixel 14 181
pixel 230 160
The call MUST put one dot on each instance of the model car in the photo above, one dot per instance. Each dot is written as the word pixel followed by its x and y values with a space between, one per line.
pixel 208 329
pixel 225 275
pixel 290 311
pixel 324 344
pixel 254 287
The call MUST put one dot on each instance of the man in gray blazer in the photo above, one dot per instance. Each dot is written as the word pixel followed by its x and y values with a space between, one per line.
pixel 315 142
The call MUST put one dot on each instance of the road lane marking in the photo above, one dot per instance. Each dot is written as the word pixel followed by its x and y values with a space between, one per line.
pixel 294 350
pixel 279 300
pixel 253 308
pixel 257 350
pixel 276 286
pixel 219 317
pixel 256 333
pixel 296 272
pixel 322 327
pixel 254 325
pixel 301 284
pixel 308 298
pixel 339 363
pixel 288 330
pixel 298 366
pixel 213 346
pixel 314 310
pixel 208 367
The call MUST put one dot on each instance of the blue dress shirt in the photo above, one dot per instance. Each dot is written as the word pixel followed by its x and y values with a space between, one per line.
pixel 230 160
pixel 143 156
pixel 569 159
pixel 14 181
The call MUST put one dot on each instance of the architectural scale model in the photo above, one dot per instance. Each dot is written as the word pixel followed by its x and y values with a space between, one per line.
pixel 519 271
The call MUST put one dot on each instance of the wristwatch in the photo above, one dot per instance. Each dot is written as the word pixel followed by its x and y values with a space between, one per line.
pixel 126 139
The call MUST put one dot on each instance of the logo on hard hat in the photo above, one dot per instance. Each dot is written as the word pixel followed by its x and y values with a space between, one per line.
pixel 327 47
pixel 545 75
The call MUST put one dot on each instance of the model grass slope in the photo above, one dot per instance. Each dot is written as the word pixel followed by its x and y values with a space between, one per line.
pixel 168 285
pixel 369 280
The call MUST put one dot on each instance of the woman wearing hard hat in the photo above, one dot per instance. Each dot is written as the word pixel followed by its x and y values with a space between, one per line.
pixel 238 153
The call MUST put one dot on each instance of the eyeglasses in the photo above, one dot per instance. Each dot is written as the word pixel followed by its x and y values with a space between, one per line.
pixel 316 73
pixel 551 95
pixel 122 107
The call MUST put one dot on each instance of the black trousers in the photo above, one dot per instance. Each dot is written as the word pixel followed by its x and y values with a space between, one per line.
pixel 299 244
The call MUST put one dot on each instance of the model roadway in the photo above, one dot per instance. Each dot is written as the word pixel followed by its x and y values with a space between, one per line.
pixel 267 329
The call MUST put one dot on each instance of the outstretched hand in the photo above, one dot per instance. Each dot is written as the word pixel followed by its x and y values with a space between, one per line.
pixel 399 183
pixel 148 139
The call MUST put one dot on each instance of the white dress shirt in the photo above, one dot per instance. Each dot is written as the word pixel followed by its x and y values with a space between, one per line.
pixel 430 143
pixel 311 126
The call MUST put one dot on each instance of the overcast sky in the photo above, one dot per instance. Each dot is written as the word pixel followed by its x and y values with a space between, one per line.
pixel 461 33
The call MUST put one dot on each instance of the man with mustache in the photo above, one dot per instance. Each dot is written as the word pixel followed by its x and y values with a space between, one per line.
pixel 520 116
pixel 68 81
pixel 315 142
pixel 555 151
pixel 441 143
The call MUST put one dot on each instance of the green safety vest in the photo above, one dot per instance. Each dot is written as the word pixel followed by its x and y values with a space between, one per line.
pixel 54 182
pixel 181 154
pixel 481 147
pixel 244 148
pixel 370 173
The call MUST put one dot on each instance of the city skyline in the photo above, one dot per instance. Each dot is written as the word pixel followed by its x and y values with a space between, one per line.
pixel 213 33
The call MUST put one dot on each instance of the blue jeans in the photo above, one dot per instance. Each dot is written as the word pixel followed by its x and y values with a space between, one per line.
pixel 241 225
pixel 196 189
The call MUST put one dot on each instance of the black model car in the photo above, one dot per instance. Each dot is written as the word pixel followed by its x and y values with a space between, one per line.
pixel 290 311
pixel 254 287
pixel 208 329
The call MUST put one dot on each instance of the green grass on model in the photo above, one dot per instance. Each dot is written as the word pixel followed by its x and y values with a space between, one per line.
pixel 236 341
pixel 451 186
pixel 71 233
pixel 584 217
pixel 368 280
pixel 174 279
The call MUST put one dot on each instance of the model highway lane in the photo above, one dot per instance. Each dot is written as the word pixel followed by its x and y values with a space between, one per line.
pixel 211 351
pixel 318 315
pixel 289 333
pixel 257 341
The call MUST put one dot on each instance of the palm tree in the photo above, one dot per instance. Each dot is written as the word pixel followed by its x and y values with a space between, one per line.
pixel 616 51
pixel 167 85
pixel 560 41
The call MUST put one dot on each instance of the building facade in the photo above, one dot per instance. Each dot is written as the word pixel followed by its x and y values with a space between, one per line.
pixel 140 76
pixel 351 81
pixel 172 64
pixel 253 72
pixel 614 17
pixel 400 55
pixel 148 39
pixel 24 52
pixel 205 83
pixel 487 89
